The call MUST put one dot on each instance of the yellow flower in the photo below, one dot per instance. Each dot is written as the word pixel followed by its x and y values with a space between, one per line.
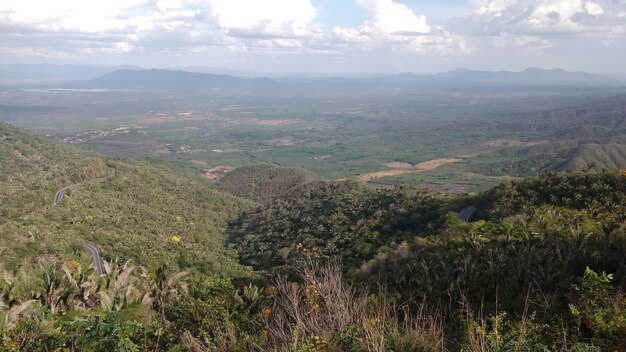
pixel 179 218
pixel 73 264
pixel 175 238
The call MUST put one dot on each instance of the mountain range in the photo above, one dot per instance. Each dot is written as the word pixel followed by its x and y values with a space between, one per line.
pixel 132 77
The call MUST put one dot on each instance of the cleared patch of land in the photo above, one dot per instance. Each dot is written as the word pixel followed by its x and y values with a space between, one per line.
pixel 498 143
pixel 399 165
pixel 216 172
pixel 448 187
pixel 402 168
pixel 433 164
pixel 273 122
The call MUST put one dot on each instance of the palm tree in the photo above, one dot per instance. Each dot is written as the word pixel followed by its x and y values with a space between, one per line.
pixel 164 287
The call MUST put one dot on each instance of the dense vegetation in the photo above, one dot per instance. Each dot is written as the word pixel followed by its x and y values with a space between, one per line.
pixel 343 267
pixel 343 219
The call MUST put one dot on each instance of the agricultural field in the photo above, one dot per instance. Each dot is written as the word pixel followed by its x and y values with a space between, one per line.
pixel 449 140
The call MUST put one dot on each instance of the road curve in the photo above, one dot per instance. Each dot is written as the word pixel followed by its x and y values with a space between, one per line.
pixel 60 194
pixel 94 252
pixel 95 256
pixel 58 197
pixel 466 213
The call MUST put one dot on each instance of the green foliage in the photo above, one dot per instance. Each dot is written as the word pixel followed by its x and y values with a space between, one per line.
pixel 603 192
pixel 333 219
pixel 106 332
pixel 599 309
pixel 218 316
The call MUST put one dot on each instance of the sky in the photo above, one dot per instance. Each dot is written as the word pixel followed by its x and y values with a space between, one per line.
pixel 319 37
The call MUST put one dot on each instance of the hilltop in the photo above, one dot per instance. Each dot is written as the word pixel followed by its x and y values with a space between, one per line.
pixel 263 182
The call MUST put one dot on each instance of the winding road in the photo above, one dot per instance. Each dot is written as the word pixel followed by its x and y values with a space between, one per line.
pixel 62 192
pixel 466 213
pixel 58 197
pixel 94 252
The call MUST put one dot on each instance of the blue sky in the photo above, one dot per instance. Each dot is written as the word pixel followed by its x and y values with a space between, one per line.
pixel 319 37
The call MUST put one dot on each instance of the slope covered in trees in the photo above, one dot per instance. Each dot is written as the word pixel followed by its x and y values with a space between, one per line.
pixel 540 241
pixel 346 219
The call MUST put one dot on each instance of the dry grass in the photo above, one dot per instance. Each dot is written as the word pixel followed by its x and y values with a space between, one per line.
pixel 323 304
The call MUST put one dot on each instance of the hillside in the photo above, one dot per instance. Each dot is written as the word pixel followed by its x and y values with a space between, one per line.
pixel 33 168
pixel 596 156
pixel 263 182
pixel 134 215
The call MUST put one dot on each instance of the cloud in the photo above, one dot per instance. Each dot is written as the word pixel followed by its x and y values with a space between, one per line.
pixel 268 18
pixel 395 26
pixel 552 31
pixel 389 17
pixel 543 17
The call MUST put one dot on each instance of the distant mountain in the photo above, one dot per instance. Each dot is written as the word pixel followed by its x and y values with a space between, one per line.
pixel 463 78
pixel 530 76
pixel 133 78
pixel 166 79
pixel 596 156
pixel 216 71
pixel 57 72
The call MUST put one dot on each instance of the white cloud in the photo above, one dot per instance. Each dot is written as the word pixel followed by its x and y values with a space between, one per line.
pixel 245 13
pixel 395 26
pixel 543 17
pixel 88 16
pixel 390 17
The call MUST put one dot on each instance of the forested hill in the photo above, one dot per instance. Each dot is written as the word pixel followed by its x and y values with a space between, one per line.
pixel 134 215
pixel 528 238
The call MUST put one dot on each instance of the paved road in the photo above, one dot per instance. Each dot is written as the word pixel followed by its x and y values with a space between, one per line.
pixel 95 256
pixel 61 193
pixel 58 198
pixel 467 212
pixel 94 253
